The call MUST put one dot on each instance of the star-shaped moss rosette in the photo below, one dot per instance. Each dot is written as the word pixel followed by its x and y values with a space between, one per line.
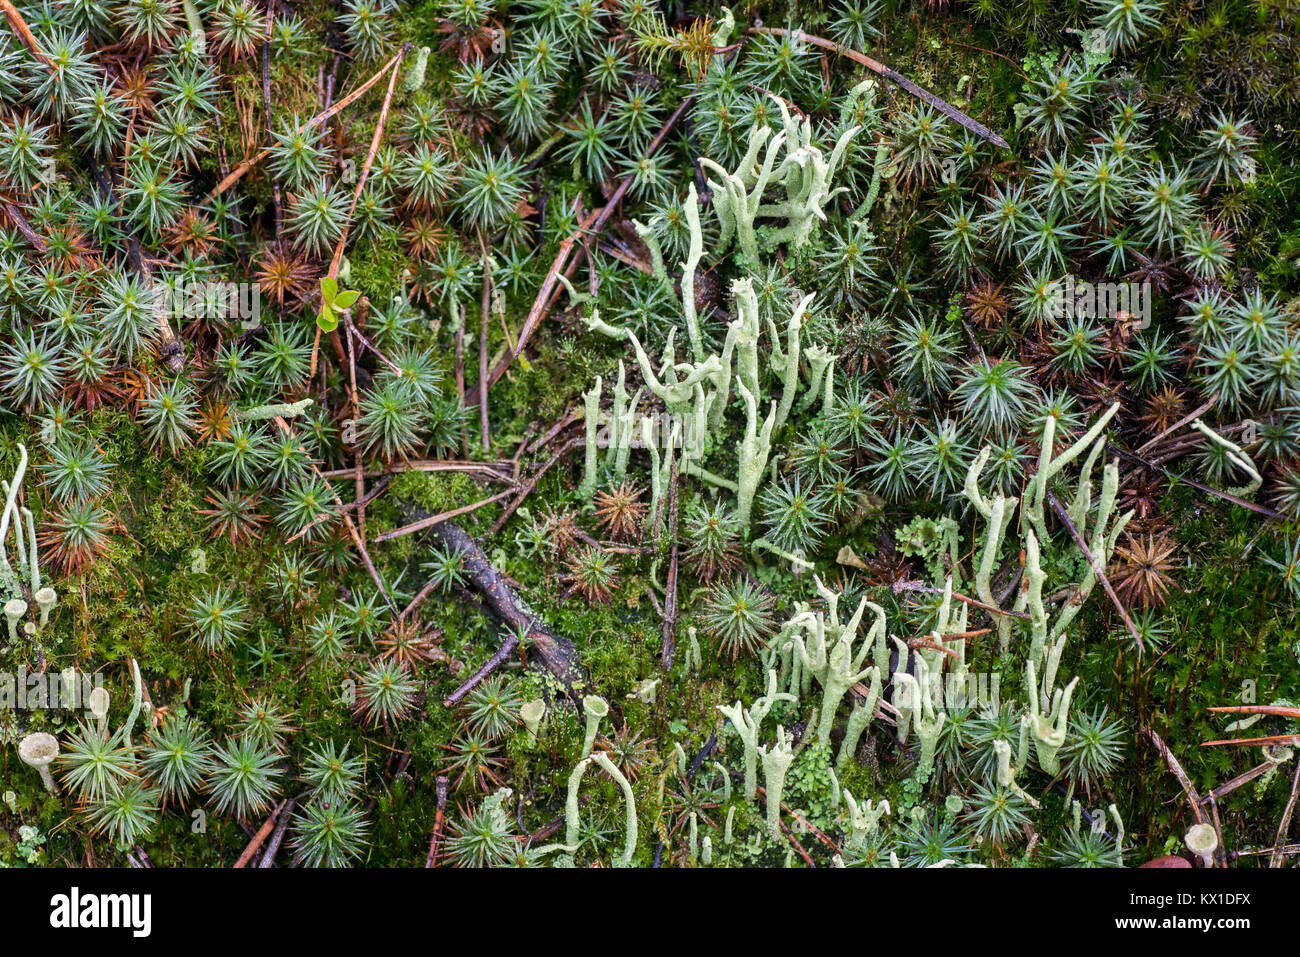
pixel 333 298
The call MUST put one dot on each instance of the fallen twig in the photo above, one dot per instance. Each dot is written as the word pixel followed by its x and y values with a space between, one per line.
pixel 504 650
pixel 973 602
pixel 589 226
pixel 555 652
pixel 433 520
pixel 1189 788
pixel 273 845
pixel 1259 851
pixel 1278 710
pixel 1185 420
pixel 1276 858
pixel 20 221
pixel 243 168
pixel 171 352
pixel 428 465
pixel 803 822
pixel 262 833
pixel 526 489
pixel 1284 711
pixel 553 431
pixel 337 259
pixel 1199 486
pixel 875 66
pixel 1284 739
pixel 1098 569
pixel 24 32
pixel 1227 787
pixel 351 527
pixel 439 820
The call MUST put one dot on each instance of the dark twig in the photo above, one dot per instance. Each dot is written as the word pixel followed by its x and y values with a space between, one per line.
pixel 1260 851
pixel 1277 857
pixel 262 833
pixel 484 469
pixel 551 827
pixel 439 820
pixel 555 652
pixel 1096 567
pixel 801 820
pixel 20 221
pixel 1199 486
pixel 973 602
pixel 433 520
pixel 171 352
pixel 1189 788
pixel 351 527
pixel 139 858
pixel 504 651
pixel 1185 420
pixel 552 432
pixel 1227 787
pixel 526 489
pixel 277 837
pixel 875 66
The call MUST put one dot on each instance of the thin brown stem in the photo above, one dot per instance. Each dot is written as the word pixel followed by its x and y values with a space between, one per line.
pixel 589 226
pixel 260 836
pixel 875 66
pixel 1176 769
pixel 1277 857
pixel 441 517
pixel 484 317
pixel 243 168
pixel 1098 569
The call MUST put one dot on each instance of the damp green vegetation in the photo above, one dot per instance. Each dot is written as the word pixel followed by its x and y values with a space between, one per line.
pixel 865 479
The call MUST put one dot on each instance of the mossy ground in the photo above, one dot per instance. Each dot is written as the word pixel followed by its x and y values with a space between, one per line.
pixel 1231 625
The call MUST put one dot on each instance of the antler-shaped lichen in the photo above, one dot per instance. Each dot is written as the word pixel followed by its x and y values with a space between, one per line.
pixel 776 762
pixel 8 580
pixel 749 723
pixel 753 448
pixel 1049 713
pixel 1237 456
pixel 23 525
pixel 591 418
pixel 864 818
pixel 826 652
pixel 997 513
pixel 738 196
pixel 859 720
pixel 1034 501
pixel 805 174
pixel 919 700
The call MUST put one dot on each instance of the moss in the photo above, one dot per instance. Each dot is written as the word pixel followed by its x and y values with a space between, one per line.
pixel 377 268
